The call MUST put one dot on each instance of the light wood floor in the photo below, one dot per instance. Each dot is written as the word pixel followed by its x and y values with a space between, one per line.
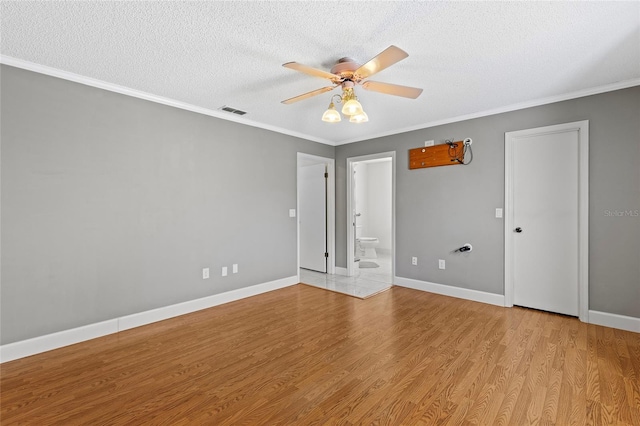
pixel 305 356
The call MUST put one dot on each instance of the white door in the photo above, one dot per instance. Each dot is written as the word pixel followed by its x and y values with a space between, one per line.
pixel 544 218
pixel 313 217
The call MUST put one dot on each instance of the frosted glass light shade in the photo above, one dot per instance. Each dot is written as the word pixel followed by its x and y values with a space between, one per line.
pixel 352 107
pixel 359 118
pixel 331 115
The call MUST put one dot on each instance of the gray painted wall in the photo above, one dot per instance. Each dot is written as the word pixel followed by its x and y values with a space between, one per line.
pixel 112 205
pixel 439 209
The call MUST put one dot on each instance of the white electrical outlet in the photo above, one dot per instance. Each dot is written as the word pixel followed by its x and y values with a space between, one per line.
pixel 441 264
pixel 414 260
pixel 205 273
pixel 224 271
pixel 429 143
pixel 498 213
pixel 235 268
pixel 292 212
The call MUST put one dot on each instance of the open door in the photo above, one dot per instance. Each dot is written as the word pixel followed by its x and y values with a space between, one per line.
pixel 312 181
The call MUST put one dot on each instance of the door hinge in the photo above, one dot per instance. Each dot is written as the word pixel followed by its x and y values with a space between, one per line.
pixel 326 175
pixel 326 254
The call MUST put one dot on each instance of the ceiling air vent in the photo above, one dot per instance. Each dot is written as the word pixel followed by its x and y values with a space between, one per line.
pixel 233 110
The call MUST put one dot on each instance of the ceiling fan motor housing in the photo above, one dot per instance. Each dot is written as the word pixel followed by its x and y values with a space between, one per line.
pixel 345 68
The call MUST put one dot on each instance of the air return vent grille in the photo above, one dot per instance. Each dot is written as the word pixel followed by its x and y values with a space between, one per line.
pixel 233 110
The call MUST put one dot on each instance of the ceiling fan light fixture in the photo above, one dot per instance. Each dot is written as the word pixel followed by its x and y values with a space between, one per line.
pixel 362 117
pixel 347 74
pixel 331 115
pixel 352 107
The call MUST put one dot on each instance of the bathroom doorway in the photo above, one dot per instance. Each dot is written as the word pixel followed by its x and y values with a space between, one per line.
pixel 371 217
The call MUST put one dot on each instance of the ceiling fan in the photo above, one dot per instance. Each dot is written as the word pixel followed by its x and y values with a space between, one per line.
pixel 347 73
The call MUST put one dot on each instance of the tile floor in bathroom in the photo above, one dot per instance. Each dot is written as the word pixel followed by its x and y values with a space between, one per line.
pixel 366 282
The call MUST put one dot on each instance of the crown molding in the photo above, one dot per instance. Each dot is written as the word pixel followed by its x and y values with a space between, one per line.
pixel 65 75
pixel 508 108
pixel 100 84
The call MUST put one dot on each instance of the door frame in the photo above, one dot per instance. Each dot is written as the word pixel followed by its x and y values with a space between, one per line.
pixel 331 208
pixel 510 138
pixel 351 205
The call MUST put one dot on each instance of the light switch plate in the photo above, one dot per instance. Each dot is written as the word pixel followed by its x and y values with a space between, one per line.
pixel 498 213
pixel 292 212
pixel 224 271
pixel 441 264
pixel 205 273
pixel 235 268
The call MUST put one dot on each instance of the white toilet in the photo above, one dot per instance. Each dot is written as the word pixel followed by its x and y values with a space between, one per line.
pixel 369 244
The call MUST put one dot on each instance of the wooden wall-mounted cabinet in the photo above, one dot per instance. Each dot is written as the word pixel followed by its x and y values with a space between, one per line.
pixel 433 156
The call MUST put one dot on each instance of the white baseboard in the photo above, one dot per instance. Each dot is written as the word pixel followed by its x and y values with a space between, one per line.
pixel 48 342
pixel 52 341
pixel 447 290
pixel 341 271
pixel 621 322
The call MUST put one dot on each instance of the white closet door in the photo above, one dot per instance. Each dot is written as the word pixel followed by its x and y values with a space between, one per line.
pixel 545 221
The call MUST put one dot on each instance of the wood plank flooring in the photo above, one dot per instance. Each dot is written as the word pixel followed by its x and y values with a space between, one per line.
pixel 305 356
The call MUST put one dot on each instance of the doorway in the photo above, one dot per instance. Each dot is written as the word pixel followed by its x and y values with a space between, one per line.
pixel 316 213
pixel 371 217
pixel 546 222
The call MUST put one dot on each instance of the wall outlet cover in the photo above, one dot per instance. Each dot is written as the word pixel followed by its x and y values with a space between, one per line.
pixel 235 268
pixel 292 212
pixel 441 264
pixel 429 143
pixel 414 260
pixel 205 273
pixel 224 271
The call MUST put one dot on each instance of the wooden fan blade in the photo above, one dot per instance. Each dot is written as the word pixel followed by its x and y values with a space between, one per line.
pixel 314 72
pixel 386 58
pixel 392 89
pixel 308 95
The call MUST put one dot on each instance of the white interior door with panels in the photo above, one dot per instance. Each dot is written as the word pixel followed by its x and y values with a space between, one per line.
pixel 546 222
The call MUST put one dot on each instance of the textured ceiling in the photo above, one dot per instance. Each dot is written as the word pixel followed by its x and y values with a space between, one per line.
pixel 470 58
